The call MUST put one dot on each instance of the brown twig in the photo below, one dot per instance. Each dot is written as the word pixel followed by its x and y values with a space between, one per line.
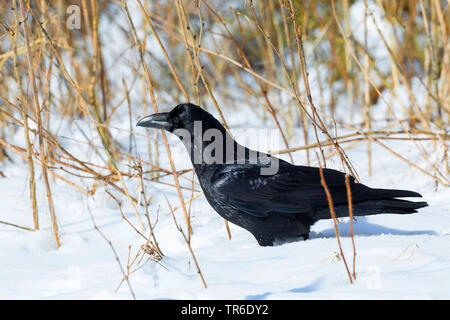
pixel 188 243
pixel 350 213
pixel 333 216
pixel 125 276
pixel 40 133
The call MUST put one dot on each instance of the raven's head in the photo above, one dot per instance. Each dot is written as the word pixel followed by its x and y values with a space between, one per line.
pixel 206 139
pixel 183 116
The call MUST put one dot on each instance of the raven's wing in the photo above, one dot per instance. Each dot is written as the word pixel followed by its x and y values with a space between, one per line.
pixel 294 189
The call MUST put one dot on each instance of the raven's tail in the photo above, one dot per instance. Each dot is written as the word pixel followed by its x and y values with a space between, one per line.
pixel 396 206
pixel 383 201
pixel 393 193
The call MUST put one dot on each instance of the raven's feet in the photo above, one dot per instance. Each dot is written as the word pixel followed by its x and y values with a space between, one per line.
pixel 269 241
pixel 264 241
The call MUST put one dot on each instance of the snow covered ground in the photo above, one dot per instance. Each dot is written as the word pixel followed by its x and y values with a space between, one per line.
pixel 397 256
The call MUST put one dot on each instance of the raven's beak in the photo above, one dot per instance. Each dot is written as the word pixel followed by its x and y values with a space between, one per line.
pixel 157 121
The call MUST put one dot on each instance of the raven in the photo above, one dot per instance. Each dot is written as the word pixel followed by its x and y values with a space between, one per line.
pixel 271 198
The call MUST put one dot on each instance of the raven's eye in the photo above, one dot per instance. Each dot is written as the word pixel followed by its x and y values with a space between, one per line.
pixel 176 119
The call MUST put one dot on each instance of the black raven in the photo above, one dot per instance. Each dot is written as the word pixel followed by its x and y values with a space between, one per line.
pixel 271 198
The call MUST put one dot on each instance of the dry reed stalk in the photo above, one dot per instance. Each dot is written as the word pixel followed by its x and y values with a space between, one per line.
pixel 138 168
pixel 301 55
pixel 196 76
pixel 129 265
pixel 141 252
pixel 384 135
pixel 433 72
pixel 95 175
pixel 295 76
pixel 188 243
pixel 84 106
pixel 350 214
pixel 224 57
pixel 83 164
pixel 40 133
pixel 155 109
pixel 29 158
pixel 23 153
pixel 114 252
pixel 96 73
pixel 263 91
pixel 241 66
pixel 102 133
pixel 169 61
pixel 127 96
pixel 401 68
pixel 333 216
pixel 442 180
pixel 191 199
pixel 185 26
pixel 87 21
pixel 348 60
pixel 131 200
pixel 16 226
pixel 386 102
pixel 315 118
pixel 401 74
pixel 285 69
pixel 187 46
pixel 88 113
pixel 147 239
pixel 366 114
